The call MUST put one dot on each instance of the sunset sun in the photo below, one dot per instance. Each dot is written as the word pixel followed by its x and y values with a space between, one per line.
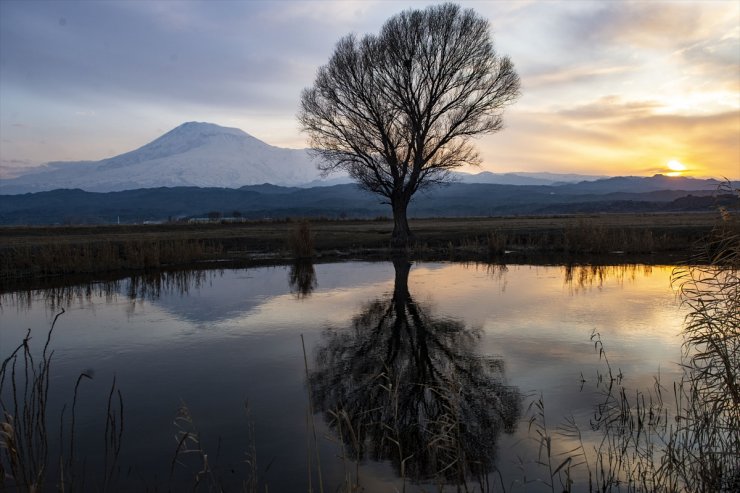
pixel 676 168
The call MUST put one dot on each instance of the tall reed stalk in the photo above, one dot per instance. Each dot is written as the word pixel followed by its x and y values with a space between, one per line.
pixel 26 462
pixel 24 439
pixel 650 442
pixel 710 424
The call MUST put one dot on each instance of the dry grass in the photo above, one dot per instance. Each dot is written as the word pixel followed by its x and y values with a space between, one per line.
pixel 301 241
pixel 26 459
pixel 51 251
pixel 95 256
pixel 680 439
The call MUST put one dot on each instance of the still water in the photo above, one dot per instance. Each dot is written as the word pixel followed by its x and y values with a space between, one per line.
pixel 399 356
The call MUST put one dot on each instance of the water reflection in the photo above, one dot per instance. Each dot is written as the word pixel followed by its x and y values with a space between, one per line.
pixel 406 385
pixel 400 371
pixel 153 285
pixel 56 297
pixel 302 281
pixel 583 276
pixel 302 278
pixel 146 286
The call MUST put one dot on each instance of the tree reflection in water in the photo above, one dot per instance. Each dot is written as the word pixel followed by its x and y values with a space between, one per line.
pixel 404 385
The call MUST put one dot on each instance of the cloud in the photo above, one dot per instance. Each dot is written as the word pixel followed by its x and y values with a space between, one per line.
pixel 346 13
pixel 646 25
pixel 610 107
pixel 552 76
pixel 160 53
pixel 12 168
pixel 615 137
pixel 688 45
pixel 716 61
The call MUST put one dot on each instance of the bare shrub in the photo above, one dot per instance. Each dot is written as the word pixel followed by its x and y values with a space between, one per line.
pixel 301 241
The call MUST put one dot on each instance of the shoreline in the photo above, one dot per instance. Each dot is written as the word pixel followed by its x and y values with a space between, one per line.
pixel 30 253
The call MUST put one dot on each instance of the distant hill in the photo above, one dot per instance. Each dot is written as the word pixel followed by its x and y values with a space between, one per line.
pixel 524 178
pixel 339 201
pixel 641 184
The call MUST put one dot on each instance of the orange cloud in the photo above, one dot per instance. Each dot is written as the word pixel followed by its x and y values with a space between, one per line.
pixel 612 137
pixel 569 75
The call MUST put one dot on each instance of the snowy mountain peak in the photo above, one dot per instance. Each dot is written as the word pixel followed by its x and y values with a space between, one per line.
pixel 192 154
pixel 181 139
pixel 203 129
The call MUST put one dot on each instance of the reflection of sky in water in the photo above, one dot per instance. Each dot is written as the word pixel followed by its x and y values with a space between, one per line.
pixel 236 336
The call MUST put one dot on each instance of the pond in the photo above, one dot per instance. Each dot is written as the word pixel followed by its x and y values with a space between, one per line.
pixel 419 374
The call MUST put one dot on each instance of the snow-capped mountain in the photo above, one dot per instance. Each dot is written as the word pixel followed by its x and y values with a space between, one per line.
pixel 193 154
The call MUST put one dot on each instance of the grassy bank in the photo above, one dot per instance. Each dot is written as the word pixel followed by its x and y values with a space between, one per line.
pixel 37 252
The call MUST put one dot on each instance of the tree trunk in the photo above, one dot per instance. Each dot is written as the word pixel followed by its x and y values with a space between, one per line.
pixel 401 236
pixel 401 266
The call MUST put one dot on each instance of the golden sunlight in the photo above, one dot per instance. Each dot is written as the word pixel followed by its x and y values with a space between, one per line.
pixel 676 168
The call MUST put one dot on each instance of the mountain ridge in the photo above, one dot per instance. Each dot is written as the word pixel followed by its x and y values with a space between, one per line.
pixel 208 155
pixel 338 201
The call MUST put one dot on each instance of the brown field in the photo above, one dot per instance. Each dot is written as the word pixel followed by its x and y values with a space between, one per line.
pixel 35 252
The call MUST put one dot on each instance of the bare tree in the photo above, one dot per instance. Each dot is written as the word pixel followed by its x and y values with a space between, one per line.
pixel 397 110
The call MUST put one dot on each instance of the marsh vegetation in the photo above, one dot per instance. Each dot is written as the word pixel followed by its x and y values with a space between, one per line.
pixel 679 436
pixel 38 252
pixel 419 386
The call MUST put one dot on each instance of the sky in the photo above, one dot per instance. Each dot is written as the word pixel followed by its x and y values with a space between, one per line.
pixel 608 87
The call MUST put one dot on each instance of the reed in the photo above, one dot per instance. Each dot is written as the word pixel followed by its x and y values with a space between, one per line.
pixel 583 237
pixel 680 439
pixel 591 236
pixel 34 252
pixel 95 256
pixel 301 241
pixel 710 288
pixel 24 437
pixel 193 468
pixel 189 445
pixel 26 459
pixel 497 243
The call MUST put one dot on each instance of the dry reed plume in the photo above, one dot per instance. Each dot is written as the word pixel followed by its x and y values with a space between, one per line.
pixel 27 439
pixel 652 441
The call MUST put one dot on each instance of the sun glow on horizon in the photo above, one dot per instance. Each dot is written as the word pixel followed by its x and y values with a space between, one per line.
pixel 676 168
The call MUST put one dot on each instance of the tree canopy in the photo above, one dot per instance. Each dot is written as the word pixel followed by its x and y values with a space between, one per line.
pixel 397 110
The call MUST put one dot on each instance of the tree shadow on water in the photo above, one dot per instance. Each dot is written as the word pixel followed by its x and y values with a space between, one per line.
pixel 406 385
